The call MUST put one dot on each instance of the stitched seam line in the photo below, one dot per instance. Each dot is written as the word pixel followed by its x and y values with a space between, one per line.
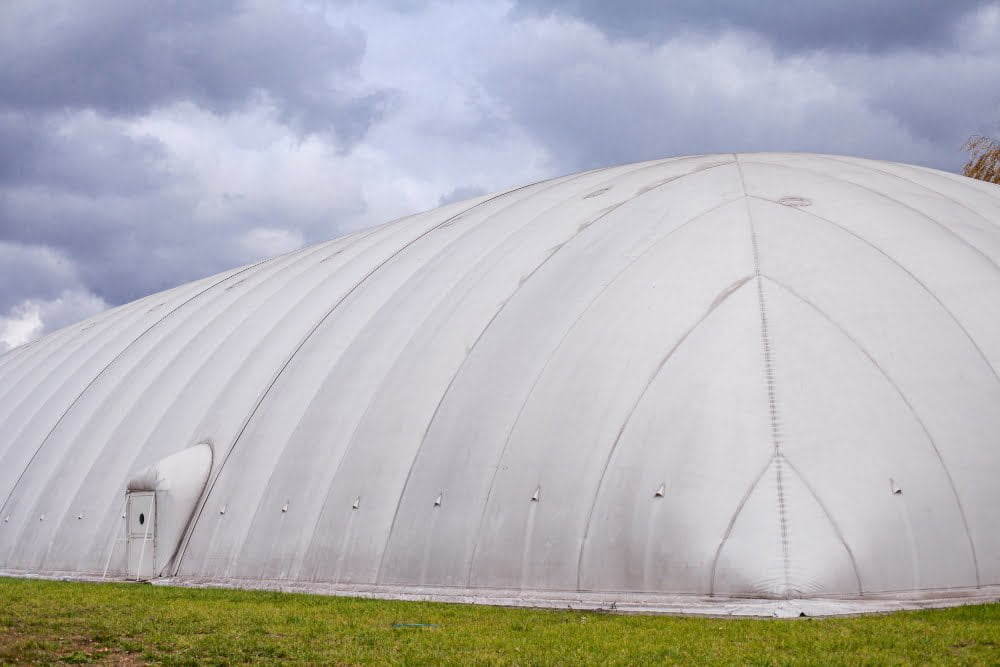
pixel 772 403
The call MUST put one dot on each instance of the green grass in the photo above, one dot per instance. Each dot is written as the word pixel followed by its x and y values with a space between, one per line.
pixel 60 622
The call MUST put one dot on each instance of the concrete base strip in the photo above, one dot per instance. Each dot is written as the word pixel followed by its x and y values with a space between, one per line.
pixel 624 603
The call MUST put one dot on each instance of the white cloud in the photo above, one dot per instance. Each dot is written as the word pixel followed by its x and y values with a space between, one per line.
pixel 269 242
pixel 22 325
pixel 33 318
pixel 106 200
pixel 593 101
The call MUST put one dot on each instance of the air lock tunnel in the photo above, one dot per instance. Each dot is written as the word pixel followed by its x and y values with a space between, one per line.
pixel 160 502
pixel 754 376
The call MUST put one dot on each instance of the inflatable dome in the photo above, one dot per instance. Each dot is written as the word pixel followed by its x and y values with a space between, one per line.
pixel 751 375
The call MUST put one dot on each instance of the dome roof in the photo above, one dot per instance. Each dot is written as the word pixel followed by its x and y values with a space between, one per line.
pixel 769 375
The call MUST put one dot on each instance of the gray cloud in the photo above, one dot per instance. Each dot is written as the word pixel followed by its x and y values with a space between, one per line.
pixel 96 207
pixel 128 57
pixel 42 151
pixel 80 190
pixel 940 97
pixel 818 24
pixel 461 193
pixel 124 242
pixel 144 144
pixel 30 269
pixel 593 100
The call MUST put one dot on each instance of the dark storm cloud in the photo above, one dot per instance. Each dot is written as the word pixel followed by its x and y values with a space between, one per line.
pixel 76 199
pixel 111 255
pixel 146 143
pixel 788 25
pixel 939 98
pixel 621 101
pixel 93 210
pixel 121 246
pixel 126 57
pixel 40 151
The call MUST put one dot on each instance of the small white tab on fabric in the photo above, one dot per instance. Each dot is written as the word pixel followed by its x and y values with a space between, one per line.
pixel 894 487
pixel 357 503
pixel 536 495
pixel 660 491
pixel 437 501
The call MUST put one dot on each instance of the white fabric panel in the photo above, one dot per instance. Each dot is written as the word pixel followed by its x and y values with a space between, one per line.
pixel 700 431
pixel 441 321
pixel 354 289
pixel 180 387
pixel 559 441
pixel 52 387
pixel 384 336
pixel 483 402
pixel 756 375
pixel 850 437
pixel 113 402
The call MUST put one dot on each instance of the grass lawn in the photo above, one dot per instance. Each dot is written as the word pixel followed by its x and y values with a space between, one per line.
pixel 60 622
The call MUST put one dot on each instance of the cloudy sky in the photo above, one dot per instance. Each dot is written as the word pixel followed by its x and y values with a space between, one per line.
pixel 148 143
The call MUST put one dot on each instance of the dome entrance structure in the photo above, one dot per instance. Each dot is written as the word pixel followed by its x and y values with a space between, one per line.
pixel 761 376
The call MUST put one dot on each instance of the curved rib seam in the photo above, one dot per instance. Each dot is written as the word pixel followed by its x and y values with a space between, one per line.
pixel 214 478
pixel 732 522
pixel 489 323
pixel 549 185
pixel 833 524
pixel 922 186
pixel 110 364
pixel 296 264
pixel 718 301
pixel 909 405
pixel 908 272
pixel 962 240
pixel 503 451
